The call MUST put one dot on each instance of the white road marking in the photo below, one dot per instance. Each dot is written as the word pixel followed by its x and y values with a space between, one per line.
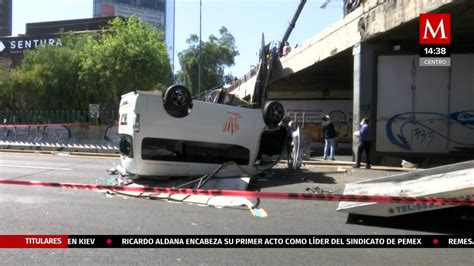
pixel 34 167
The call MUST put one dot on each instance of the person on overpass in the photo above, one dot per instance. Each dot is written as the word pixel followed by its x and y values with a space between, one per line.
pixel 286 48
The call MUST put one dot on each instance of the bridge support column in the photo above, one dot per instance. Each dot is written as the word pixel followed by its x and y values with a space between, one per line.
pixel 365 87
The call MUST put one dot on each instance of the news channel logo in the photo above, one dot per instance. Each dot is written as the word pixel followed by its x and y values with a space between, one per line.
pixel 435 40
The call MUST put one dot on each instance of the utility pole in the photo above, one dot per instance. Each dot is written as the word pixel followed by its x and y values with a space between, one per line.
pixel 200 48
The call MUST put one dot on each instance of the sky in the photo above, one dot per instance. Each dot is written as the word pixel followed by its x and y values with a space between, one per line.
pixel 246 20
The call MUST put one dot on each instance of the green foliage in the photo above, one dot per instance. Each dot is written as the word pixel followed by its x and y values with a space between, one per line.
pixel 90 68
pixel 48 77
pixel 216 55
pixel 131 55
pixel 5 81
pixel 4 70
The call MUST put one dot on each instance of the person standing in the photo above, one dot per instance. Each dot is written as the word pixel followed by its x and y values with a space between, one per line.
pixel 286 49
pixel 365 141
pixel 329 137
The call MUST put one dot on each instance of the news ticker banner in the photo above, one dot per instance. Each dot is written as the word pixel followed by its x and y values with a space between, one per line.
pixel 236 241
pixel 435 39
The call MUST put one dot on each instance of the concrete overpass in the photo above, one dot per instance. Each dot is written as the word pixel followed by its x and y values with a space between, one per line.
pixel 342 62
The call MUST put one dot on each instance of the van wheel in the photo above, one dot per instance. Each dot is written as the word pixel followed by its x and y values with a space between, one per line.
pixel 273 113
pixel 177 101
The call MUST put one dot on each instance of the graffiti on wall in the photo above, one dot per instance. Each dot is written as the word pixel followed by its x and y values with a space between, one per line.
pixel 309 114
pixel 425 110
pixel 342 123
pixel 425 129
pixel 39 134
pixel 61 135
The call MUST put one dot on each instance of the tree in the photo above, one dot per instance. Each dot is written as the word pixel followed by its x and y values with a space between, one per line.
pixel 216 55
pixel 5 82
pixel 49 79
pixel 130 55
pixel 91 68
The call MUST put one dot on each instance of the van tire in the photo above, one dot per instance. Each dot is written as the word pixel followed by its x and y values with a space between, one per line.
pixel 273 113
pixel 177 101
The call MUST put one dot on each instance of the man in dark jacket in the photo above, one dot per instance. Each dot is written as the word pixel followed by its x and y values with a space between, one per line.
pixel 329 137
pixel 364 143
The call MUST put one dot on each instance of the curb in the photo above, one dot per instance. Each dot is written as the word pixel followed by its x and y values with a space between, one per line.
pixel 52 148
pixel 113 155
pixel 110 155
pixel 345 164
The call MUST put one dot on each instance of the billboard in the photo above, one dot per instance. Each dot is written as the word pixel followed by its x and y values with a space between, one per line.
pixel 16 45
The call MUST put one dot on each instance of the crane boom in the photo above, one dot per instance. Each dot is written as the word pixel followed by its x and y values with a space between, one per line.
pixel 291 26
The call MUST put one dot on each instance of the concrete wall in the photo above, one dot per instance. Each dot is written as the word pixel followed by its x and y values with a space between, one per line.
pixel 312 112
pixel 380 16
pixel 76 138
pixel 365 87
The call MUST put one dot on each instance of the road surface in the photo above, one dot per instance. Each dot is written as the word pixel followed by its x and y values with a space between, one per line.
pixel 41 210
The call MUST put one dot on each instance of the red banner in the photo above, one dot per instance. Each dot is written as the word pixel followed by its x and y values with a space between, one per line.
pixel 33 241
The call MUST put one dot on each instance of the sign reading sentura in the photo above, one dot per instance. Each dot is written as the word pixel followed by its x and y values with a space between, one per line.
pixel 17 45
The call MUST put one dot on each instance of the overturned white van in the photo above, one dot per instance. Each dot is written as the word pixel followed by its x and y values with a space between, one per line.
pixel 169 134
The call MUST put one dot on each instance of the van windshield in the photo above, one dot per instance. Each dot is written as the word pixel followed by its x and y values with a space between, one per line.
pixel 126 145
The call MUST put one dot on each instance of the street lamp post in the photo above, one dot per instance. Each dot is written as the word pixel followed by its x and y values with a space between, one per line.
pixel 200 48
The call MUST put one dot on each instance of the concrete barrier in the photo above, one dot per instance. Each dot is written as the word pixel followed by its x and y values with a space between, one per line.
pixel 85 138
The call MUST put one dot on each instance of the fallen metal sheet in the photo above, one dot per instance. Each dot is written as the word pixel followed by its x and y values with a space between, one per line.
pixel 230 183
pixel 451 181
pixel 220 201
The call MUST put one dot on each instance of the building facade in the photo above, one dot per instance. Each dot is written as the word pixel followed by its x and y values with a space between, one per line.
pixel 159 13
pixel 44 33
pixel 5 17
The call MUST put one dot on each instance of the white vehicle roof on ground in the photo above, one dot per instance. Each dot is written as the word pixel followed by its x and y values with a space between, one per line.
pixel 169 134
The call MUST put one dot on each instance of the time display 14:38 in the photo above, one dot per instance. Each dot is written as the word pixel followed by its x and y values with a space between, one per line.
pixel 434 51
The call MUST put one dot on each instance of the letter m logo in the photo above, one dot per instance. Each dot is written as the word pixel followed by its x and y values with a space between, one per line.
pixel 435 28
